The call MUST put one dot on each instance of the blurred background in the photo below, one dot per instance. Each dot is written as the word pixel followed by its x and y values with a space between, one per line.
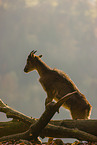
pixel 64 32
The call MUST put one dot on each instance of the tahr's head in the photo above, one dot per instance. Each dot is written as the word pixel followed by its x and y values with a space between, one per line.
pixel 31 62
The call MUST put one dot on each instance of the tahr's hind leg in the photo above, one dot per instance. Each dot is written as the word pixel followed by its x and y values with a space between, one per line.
pixel 80 114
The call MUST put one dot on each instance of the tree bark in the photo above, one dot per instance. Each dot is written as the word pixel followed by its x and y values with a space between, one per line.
pixel 89 126
pixel 16 126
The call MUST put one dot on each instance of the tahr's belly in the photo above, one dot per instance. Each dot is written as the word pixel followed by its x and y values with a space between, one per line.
pixel 64 105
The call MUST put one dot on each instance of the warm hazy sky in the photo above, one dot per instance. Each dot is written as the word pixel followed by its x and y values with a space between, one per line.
pixel 65 32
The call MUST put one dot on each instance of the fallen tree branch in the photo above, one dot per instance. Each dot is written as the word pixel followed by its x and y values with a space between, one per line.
pixel 42 122
pixel 11 113
pixel 16 126
pixel 12 127
pixel 56 132
pixel 89 126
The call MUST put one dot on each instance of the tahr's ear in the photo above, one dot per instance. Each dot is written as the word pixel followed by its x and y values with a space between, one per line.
pixel 40 56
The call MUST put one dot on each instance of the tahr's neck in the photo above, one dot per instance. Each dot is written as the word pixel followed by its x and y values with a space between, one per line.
pixel 42 68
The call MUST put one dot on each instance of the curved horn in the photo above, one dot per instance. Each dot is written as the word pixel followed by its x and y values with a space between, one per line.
pixel 33 52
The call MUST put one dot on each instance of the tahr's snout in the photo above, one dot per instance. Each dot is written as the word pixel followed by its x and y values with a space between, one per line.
pixel 25 70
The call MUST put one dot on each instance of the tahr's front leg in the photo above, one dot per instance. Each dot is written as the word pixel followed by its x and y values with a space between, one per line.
pixel 48 100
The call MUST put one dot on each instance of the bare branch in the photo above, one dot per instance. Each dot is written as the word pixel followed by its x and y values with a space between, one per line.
pixel 11 113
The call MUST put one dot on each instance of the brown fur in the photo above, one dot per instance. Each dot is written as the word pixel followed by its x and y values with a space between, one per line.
pixel 57 84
